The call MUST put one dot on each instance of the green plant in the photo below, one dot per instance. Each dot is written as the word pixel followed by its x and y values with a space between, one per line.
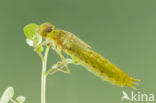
pixel 42 47
pixel 33 39
pixel 8 96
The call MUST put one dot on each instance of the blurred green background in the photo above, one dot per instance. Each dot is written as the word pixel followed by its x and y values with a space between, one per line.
pixel 124 31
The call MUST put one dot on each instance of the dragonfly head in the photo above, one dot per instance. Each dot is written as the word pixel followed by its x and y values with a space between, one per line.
pixel 45 29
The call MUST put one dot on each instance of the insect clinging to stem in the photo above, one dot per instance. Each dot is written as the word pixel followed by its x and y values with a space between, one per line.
pixel 84 55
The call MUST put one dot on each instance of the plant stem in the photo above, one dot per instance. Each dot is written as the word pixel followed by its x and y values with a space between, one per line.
pixel 44 76
pixel 13 101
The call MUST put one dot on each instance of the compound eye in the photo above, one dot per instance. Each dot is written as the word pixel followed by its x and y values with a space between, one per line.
pixel 45 28
pixel 48 29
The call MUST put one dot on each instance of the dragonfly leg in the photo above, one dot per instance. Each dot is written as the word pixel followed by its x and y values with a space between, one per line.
pixel 52 71
pixel 63 60
pixel 59 67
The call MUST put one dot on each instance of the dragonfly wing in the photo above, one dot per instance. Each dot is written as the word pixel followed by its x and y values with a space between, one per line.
pixel 79 42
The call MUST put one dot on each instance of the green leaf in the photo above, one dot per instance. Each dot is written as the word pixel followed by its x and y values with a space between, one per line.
pixel 30 31
pixel 21 99
pixel 40 49
pixel 7 95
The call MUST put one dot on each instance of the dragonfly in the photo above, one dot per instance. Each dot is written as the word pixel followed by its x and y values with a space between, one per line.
pixel 83 54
